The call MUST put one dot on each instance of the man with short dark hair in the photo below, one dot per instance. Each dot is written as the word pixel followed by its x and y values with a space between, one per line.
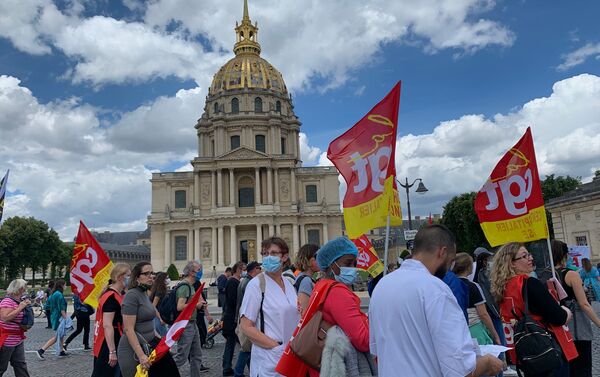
pixel 221 282
pixel 416 324
pixel 229 318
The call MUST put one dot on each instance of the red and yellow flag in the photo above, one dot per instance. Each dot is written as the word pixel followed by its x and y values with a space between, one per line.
pixel 174 333
pixel 90 267
pixel 367 257
pixel 510 205
pixel 364 155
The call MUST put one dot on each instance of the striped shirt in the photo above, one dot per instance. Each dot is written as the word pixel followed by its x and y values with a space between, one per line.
pixel 14 325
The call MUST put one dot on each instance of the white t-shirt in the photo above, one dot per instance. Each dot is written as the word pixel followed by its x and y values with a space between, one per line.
pixel 417 327
pixel 281 319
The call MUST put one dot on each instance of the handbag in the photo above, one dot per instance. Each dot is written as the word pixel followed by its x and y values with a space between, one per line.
pixel 308 344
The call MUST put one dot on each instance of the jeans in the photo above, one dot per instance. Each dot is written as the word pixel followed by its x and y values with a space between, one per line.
pixel 243 360
pixel 188 347
pixel 159 327
pixel 229 351
pixel 497 322
pixel 16 356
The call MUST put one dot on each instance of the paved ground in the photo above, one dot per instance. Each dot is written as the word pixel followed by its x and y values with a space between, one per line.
pixel 79 362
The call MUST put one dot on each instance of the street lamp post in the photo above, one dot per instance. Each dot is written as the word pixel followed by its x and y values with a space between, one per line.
pixel 421 189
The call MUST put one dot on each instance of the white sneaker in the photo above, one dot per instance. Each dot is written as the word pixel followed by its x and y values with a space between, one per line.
pixel 509 372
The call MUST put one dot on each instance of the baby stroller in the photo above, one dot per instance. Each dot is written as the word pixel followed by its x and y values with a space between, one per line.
pixel 213 330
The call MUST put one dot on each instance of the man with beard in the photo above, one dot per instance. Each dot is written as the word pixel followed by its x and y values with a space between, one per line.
pixel 416 325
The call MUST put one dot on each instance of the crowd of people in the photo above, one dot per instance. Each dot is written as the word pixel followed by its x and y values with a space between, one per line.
pixel 428 318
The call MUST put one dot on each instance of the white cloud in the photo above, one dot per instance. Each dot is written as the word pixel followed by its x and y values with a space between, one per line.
pixel 308 154
pixel 579 56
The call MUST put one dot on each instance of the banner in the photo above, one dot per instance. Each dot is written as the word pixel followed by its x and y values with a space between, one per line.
pixel 174 333
pixel 367 257
pixel 364 155
pixel 3 184
pixel 577 253
pixel 510 206
pixel 90 267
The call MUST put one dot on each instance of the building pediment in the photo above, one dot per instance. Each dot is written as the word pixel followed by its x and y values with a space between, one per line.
pixel 242 153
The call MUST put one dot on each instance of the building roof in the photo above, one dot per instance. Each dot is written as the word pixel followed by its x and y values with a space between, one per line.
pixel 120 238
pixel 584 192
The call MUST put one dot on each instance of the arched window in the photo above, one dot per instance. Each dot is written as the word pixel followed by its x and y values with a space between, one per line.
pixel 235 142
pixel 259 141
pixel 216 107
pixel 246 192
pixel 180 199
pixel 258 105
pixel 235 106
pixel 278 106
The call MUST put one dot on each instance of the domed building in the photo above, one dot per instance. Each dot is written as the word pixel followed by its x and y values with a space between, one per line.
pixel 248 182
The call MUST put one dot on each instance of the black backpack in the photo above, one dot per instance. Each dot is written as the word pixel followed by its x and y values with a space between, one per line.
pixel 299 281
pixel 167 307
pixel 27 321
pixel 537 351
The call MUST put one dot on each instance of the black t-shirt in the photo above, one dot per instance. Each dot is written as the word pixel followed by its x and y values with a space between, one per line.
pixel 111 305
pixel 543 304
pixel 475 293
pixel 230 304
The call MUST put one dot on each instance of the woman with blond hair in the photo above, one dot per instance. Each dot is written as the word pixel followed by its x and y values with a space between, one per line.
pixel 478 315
pixel 11 334
pixel 511 271
pixel 304 284
pixel 109 323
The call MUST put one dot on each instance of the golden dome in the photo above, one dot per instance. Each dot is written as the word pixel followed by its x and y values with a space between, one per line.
pixel 247 69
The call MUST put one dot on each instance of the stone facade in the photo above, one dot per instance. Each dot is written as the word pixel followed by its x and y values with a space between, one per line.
pixel 576 217
pixel 248 182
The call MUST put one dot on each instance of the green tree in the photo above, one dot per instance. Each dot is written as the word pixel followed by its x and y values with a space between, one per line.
pixel 555 187
pixel 460 217
pixel 172 272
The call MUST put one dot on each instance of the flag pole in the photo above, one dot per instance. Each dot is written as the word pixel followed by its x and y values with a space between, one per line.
pixel 387 238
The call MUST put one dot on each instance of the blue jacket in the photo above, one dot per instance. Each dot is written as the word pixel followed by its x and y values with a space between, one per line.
pixel 460 290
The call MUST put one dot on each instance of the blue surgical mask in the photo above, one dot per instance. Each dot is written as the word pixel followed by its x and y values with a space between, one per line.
pixel 347 275
pixel 199 275
pixel 271 263
pixel 126 281
pixel 244 274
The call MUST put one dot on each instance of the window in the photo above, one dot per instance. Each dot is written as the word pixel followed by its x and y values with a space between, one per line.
pixel 246 197
pixel 278 106
pixel 258 105
pixel 581 240
pixel 180 199
pixel 311 193
pixel 259 141
pixel 235 142
pixel 180 248
pixel 314 237
pixel 283 146
pixel 216 107
pixel 212 147
pixel 235 106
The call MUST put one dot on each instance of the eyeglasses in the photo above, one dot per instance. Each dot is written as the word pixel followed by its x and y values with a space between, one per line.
pixel 148 273
pixel 524 256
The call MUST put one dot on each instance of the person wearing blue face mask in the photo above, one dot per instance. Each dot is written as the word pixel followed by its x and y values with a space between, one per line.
pixel 268 314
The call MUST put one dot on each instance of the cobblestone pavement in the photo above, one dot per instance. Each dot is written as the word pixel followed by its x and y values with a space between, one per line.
pixel 79 362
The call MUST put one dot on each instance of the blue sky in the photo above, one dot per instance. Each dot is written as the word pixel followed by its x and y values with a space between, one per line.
pixel 94 95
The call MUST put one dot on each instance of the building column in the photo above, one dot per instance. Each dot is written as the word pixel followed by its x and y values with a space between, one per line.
pixel 293 183
pixel 231 189
pixel 325 233
pixel 220 250
pixel 190 244
pixel 200 146
pixel 233 251
pixel 302 234
pixel 256 186
pixel 278 229
pixel 197 244
pixel 276 186
pixel 197 189
pixel 271 230
pixel 269 186
pixel 297 144
pixel 259 240
pixel 213 196
pixel 219 188
pixel 213 247
pixel 295 242
pixel 167 249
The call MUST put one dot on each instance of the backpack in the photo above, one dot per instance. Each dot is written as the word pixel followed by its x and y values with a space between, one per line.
pixel 27 321
pixel 245 343
pixel 167 307
pixel 537 351
pixel 299 281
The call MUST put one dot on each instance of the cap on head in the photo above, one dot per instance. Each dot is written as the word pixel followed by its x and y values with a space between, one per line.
pixel 252 265
pixel 481 250
pixel 334 249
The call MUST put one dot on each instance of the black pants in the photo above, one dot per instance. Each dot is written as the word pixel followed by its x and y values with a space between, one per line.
pixel 48 314
pixel 202 330
pixel 229 351
pixel 101 366
pixel 582 365
pixel 83 324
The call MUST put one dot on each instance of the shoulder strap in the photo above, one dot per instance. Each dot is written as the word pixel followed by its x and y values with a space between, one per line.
pixel 525 294
pixel 299 281
pixel 262 283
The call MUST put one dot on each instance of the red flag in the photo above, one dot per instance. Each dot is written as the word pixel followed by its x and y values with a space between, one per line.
pixel 430 220
pixel 90 267
pixel 364 155
pixel 174 333
pixel 367 257
pixel 510 206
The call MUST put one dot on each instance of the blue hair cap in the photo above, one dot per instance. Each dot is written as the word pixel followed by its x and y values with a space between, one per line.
pixel 334 249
